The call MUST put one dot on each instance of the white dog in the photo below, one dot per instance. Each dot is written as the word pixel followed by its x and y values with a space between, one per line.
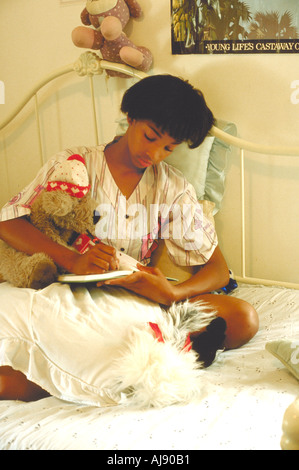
pixel 156 366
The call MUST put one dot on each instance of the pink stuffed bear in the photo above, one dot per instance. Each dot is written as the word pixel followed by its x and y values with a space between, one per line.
pixel 108 18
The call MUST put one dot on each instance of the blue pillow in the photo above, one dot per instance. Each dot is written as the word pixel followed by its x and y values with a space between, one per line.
pixel 217 164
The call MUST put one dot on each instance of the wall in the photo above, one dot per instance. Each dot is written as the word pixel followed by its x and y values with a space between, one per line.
pixel 257 92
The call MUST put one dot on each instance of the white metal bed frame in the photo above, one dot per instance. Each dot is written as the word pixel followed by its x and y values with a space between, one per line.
pixel 90 64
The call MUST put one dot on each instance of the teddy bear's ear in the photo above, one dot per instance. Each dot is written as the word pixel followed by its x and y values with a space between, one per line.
pixel 57 203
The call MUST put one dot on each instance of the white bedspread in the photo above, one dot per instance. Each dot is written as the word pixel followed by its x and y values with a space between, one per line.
pixel 244 396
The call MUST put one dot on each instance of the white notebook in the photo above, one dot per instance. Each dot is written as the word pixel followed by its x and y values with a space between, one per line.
pixel 82 278
pixel 127 265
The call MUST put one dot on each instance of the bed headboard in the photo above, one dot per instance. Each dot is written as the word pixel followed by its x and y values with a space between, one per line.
pixel 90 65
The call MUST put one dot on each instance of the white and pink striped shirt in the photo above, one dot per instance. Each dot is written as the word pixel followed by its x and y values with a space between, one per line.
pixel 163 205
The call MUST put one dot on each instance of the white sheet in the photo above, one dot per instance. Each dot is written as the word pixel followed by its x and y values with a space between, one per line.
pixel 244 397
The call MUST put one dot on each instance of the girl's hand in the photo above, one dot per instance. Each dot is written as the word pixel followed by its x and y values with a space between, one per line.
pixel 148 282
pixel 97 260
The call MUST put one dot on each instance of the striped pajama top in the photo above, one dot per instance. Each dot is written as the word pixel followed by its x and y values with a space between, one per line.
pixel 163 205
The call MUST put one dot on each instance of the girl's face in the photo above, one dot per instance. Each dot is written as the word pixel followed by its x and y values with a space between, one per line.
pixel 147 144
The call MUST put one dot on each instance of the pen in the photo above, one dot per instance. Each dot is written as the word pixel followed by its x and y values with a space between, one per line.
pixel 95 240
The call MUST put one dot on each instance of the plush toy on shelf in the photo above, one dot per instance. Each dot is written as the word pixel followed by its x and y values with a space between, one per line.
pixel 108 18
pixel 64 211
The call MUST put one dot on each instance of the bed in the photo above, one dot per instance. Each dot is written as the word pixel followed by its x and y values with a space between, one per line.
pixel 247 397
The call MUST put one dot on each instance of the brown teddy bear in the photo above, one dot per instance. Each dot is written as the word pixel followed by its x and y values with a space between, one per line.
pixel 63 211
pixel 108 18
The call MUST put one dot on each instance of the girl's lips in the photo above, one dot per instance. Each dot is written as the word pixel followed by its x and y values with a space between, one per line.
pixel 144 162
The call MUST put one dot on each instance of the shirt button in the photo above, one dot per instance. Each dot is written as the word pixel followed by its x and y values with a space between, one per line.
pixel 122 249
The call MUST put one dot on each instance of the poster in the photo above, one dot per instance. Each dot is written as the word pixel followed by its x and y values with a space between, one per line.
pixel 235 27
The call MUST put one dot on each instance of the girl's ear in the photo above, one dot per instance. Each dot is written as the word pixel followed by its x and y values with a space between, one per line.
pixel 130 120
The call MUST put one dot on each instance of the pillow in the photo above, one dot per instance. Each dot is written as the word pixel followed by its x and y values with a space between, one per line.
pixel 193 163
pixel 288 353
pixel 217 164
pixel 204 167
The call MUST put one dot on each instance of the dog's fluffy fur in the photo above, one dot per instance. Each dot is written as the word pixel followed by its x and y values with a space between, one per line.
pixel 149 373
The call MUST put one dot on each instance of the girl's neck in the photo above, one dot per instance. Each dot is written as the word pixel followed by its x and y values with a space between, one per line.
pixel 124 173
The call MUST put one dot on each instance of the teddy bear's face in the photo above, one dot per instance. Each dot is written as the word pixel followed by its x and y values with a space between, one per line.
pixel 57 203
pixel 96 7
pixel 69 212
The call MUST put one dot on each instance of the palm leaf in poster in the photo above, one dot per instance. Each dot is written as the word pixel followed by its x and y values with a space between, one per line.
pixel 205 26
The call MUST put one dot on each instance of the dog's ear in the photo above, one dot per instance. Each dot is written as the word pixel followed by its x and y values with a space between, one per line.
pixel 57 203
pixel 207 343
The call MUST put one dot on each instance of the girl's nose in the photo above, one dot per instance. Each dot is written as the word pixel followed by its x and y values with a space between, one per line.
pixel 154 155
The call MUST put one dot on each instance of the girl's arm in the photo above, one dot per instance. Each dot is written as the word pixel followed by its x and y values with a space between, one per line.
pixel 23 236
pixel 212 276
pixel 152 284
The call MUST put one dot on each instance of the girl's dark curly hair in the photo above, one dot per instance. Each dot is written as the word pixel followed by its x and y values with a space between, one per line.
pixel 173 105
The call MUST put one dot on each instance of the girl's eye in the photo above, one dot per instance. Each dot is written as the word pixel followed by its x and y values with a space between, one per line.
pixel 149 138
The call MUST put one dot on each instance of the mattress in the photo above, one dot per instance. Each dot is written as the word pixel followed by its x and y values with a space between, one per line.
pixel 244 395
